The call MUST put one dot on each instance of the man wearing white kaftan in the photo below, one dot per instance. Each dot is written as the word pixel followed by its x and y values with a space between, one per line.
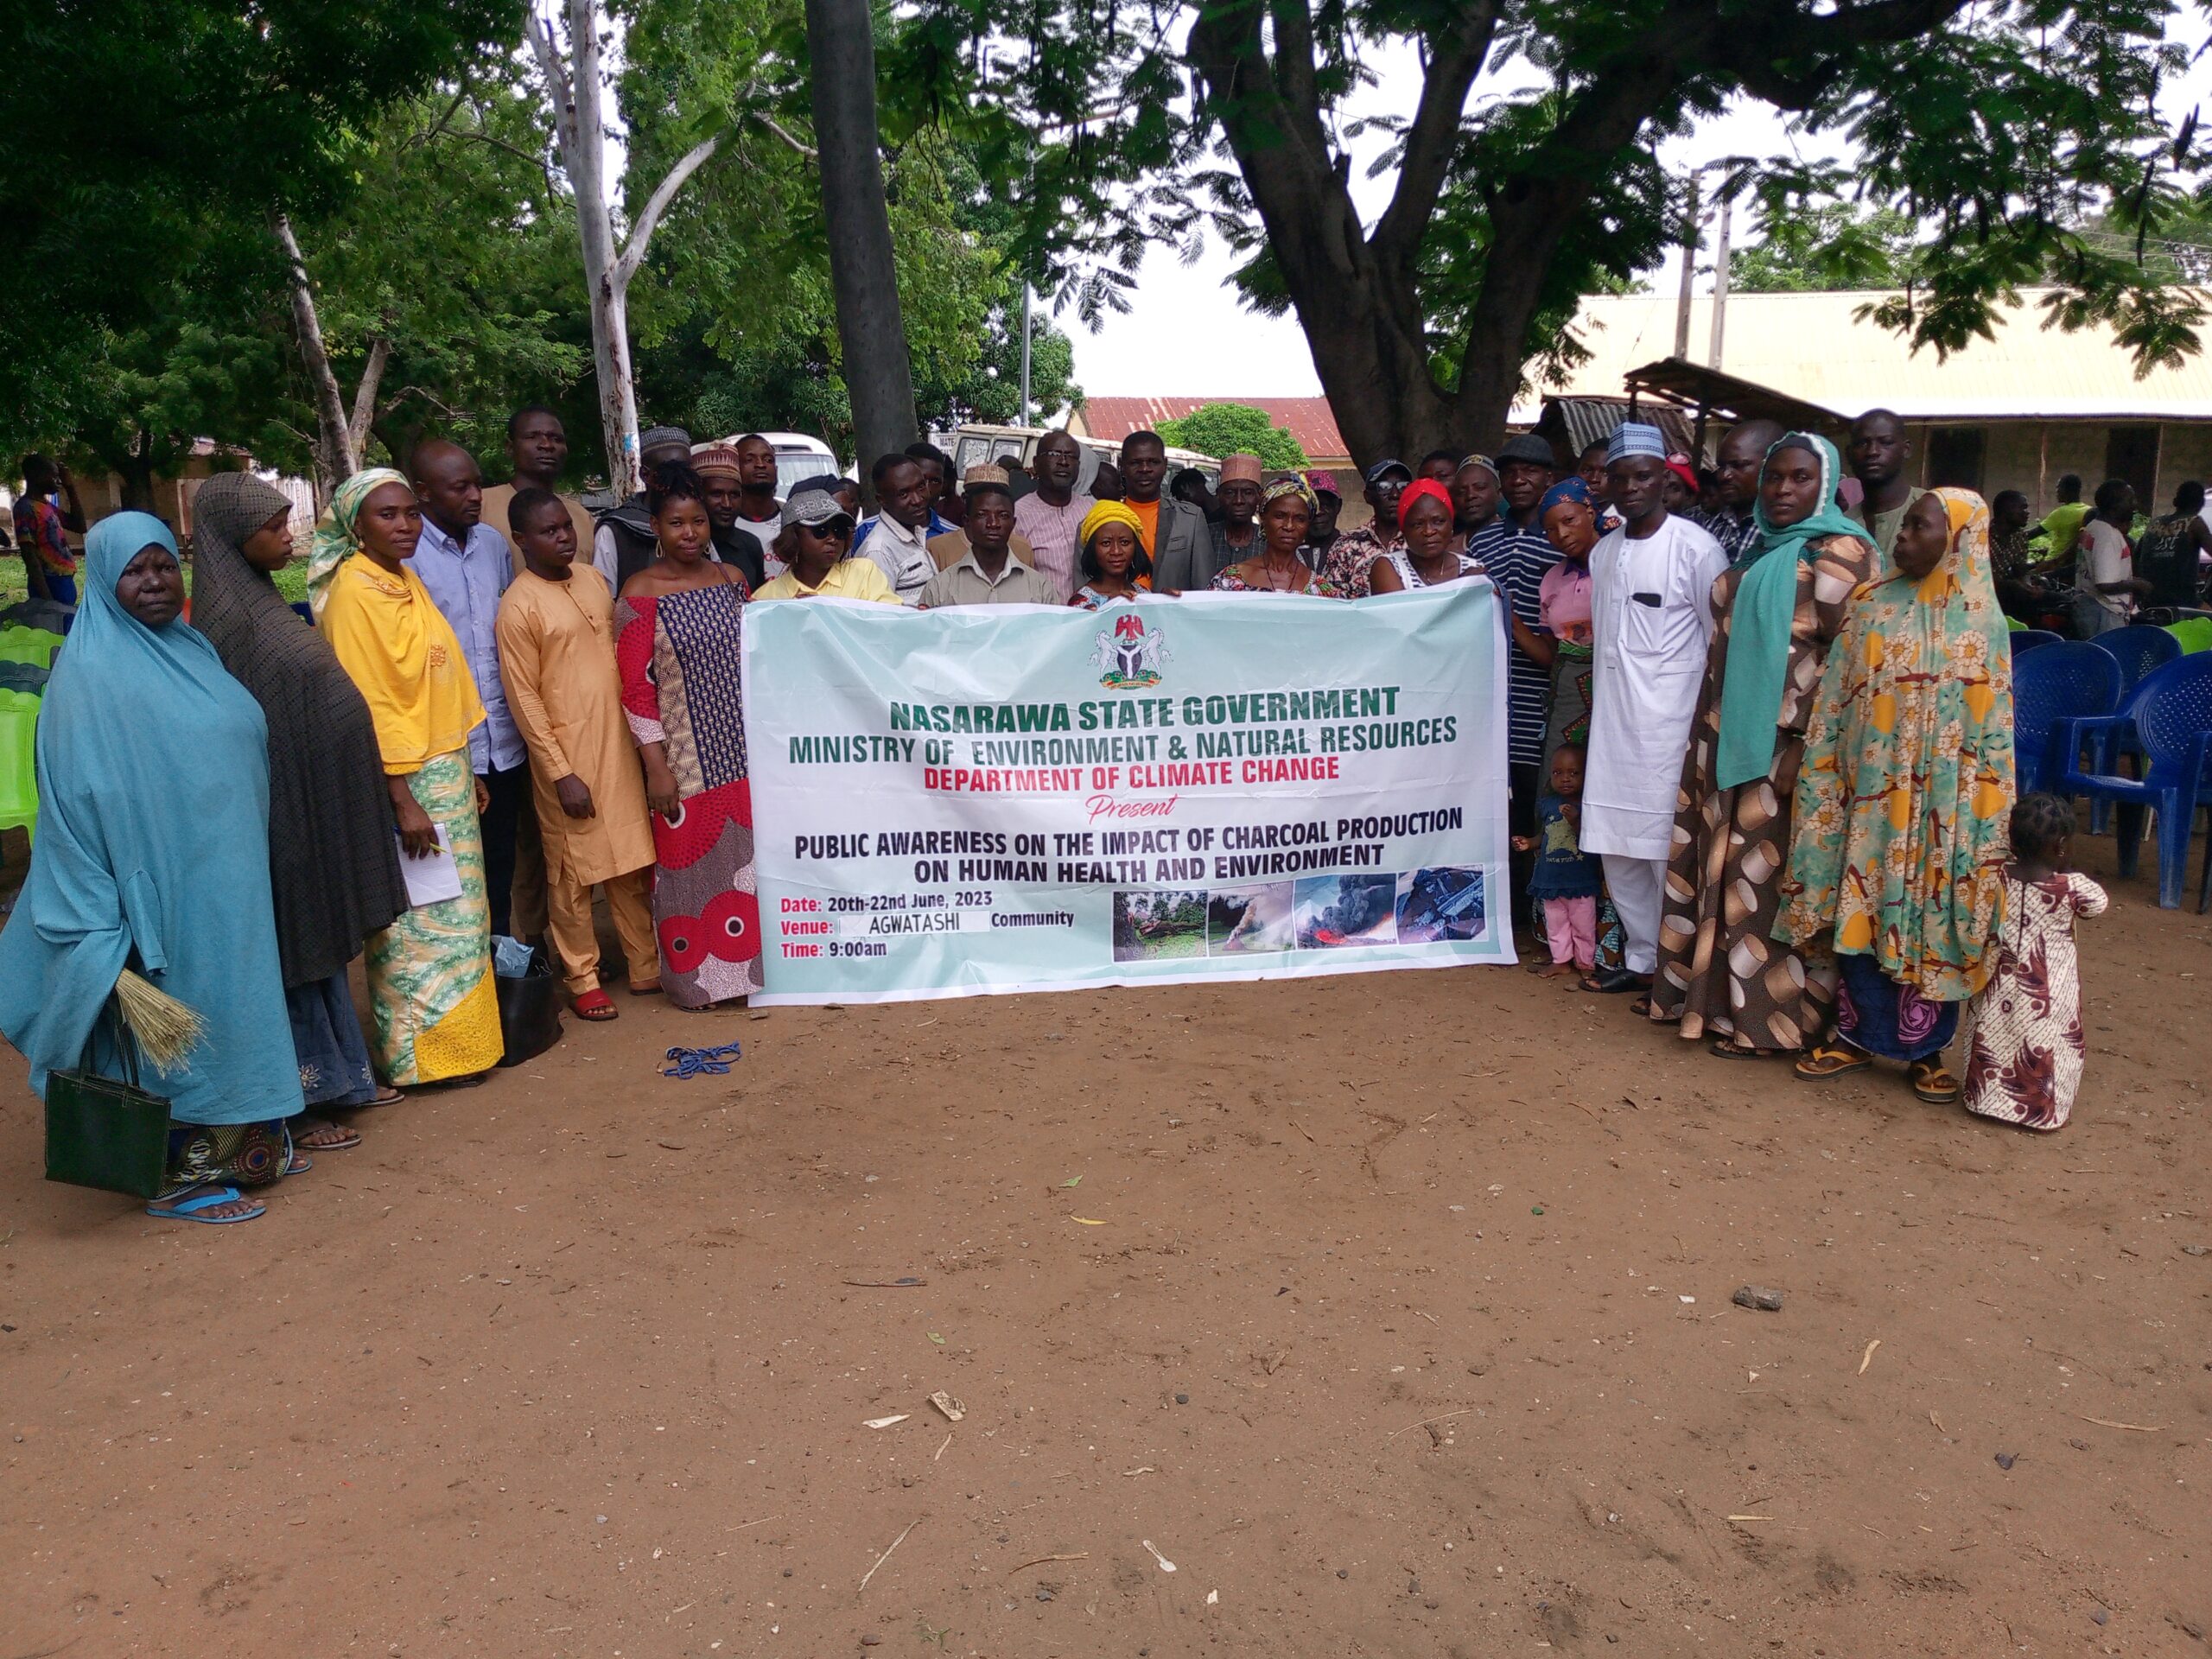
pixel 1651 621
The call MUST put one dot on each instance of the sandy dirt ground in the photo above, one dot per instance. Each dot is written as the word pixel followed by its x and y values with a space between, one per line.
pixel 1393 1309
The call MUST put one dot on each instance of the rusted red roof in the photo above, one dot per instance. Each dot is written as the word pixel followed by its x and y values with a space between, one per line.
pixel 1309 420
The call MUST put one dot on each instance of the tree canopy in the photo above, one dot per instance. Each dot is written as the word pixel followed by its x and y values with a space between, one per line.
pixel 1527 172
pixel 421 177
pixel 1234 428
pixel 132 130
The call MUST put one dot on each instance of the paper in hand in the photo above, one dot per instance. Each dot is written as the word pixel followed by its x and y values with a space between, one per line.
pixel 433 879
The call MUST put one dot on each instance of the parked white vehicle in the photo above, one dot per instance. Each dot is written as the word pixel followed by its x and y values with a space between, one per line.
pixel 972 445
pixel 797 457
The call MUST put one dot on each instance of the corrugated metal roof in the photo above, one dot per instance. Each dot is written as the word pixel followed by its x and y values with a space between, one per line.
pixel 1585 421
pixel 1309 420
pixel 1810 346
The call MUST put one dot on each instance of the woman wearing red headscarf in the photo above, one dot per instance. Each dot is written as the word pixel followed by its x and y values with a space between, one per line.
pixel 1425 518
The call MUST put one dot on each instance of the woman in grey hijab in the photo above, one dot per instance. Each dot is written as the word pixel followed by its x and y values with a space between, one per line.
pixel 334 858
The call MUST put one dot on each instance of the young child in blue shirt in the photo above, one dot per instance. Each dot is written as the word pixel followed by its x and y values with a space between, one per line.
pixel 1566 880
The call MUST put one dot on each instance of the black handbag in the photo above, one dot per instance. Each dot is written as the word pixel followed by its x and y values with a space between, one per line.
pixel 529 1009
pixel 104 1133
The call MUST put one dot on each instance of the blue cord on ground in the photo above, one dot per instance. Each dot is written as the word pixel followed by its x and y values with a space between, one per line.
pixel 697 1062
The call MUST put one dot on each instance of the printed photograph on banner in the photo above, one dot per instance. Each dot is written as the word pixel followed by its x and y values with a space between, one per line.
pixel 1333 912
pixel 1444 904
pixel 1242 921
pixel 1159 927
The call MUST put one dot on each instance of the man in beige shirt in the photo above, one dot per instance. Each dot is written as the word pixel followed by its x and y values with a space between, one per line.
pixel 556 657
pixel 988 573
pixel 949 547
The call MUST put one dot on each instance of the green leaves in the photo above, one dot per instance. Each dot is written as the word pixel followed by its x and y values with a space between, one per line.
pixel 137 130
pixel 1982 136
pixel 733 317
pixel 1231 429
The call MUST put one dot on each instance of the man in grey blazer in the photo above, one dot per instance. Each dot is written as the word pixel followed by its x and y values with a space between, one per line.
pixel 1181 545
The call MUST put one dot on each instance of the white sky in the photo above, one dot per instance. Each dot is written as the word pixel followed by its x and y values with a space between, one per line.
pixel 1188 334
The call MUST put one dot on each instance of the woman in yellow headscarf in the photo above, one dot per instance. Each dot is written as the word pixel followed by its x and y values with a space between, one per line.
pixel 1897 860
pixel 1116 568
pixel 436 1012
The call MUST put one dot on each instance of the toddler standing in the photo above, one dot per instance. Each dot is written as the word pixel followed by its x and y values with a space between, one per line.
pixel 1566 879
pixel 2023 1029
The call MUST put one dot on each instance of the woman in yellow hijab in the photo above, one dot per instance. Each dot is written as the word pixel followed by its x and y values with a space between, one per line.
pixel 1897 862
pixel 1115 567
pixel 436 1012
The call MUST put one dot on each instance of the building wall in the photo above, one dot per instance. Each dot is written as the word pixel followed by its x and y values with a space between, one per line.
pixel 2030 456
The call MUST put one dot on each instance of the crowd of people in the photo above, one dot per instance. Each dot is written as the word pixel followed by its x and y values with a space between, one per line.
pixel 1758 743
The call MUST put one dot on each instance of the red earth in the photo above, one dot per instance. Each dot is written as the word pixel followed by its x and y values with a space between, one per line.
pixel 1393 1309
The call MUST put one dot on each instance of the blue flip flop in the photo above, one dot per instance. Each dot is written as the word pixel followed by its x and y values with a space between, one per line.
pixel 213 1199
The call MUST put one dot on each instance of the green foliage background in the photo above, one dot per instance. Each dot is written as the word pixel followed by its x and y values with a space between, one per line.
pixel 1234 428
pixel 439 233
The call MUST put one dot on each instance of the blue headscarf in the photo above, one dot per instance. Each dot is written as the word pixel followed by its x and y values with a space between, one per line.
pixel 153 782
pixel 1759 621
pixel 1570 488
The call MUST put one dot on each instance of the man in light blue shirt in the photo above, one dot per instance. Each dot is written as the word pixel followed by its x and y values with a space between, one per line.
pixel 464 563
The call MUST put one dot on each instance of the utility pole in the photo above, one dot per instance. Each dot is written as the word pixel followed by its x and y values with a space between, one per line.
pixel 1025 353
pixel 1719 284
pixel 1689 271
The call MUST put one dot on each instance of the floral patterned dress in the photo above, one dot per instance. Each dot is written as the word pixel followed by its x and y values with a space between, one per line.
pixel 683 687
pixel 1720 969
pixel 1316 587
pixel 1897 858
pixel 1350 560
pixel 2023 1029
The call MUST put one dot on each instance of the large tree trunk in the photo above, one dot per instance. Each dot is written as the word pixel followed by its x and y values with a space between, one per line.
pixel 135 466
pixel 573 85
pixel 576 91
pixel 879 373
pixel 338 449
pixel 1355 295
pixel 1358 293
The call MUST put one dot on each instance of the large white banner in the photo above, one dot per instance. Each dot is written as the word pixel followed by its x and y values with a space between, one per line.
pixel 1220 786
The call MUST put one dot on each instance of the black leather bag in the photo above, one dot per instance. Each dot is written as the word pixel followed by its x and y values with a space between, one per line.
pixel 104 1133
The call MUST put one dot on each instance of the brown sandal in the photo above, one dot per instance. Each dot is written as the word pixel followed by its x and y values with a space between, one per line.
pixel 321 1134
pixel 1827 1061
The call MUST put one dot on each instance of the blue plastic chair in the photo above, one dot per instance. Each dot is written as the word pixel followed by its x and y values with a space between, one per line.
pixel 2138 648
pixel 2025 640
pixel 2170 718
pixel 2071 680
pixel 306 610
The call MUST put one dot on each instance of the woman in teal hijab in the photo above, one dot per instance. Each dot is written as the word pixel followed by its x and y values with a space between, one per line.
pixel 1721 972
pixel 153 853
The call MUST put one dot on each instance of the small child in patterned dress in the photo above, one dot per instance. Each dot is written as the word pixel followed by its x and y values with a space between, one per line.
pixel 2023 1029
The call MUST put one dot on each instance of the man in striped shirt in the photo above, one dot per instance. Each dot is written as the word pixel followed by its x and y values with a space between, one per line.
pixel 1516 553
